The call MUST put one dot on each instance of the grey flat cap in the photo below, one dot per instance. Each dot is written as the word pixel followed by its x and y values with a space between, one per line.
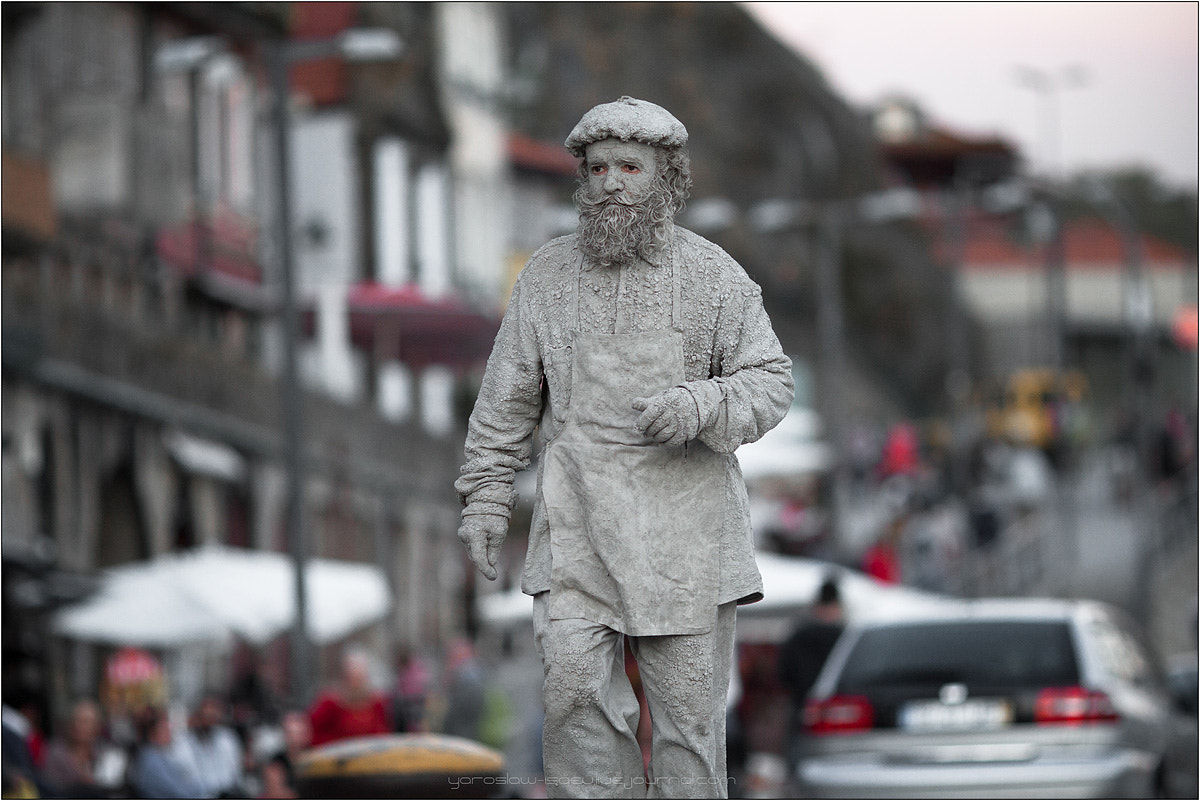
pixel 627 119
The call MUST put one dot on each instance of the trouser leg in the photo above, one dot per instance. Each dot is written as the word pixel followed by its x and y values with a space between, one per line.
pixel 686 680
pixel 589 747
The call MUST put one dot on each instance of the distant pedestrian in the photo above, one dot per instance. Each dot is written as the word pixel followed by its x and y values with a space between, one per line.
pixel 352 708
pixel 882 560
pixel 901 452
pixel 214 749
pixel 803 654
pixel 464 691
pixel 77 759
pixel 21 778
pixel 280 753
pixel 277 779
pixel 252 702
pixel 158 771
pixel 411 693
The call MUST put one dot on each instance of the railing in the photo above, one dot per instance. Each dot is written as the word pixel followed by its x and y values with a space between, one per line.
pixel 77 345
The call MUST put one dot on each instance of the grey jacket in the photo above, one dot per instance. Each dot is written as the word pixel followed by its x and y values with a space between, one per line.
pixel 734 367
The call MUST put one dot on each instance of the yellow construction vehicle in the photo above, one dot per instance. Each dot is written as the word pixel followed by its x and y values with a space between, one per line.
pixel 1033 405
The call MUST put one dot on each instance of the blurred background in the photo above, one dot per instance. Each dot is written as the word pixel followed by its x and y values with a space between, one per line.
pixel 254 255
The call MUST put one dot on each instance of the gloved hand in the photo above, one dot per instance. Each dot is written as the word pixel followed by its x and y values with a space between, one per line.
pixel 483 535
pixel 669 418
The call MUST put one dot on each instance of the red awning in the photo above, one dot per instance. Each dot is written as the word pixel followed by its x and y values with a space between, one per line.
pixel 527 153
pixel 402 323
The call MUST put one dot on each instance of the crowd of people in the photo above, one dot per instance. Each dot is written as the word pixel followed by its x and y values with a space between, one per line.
pixel 223 748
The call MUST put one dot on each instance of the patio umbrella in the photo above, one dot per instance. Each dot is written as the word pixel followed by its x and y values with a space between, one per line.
pixel 215 593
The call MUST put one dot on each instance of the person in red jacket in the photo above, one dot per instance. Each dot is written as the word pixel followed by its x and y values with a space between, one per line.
pixel 882 560
pixel 351 709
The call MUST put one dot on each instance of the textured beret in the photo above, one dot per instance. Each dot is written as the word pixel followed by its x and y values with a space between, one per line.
pixel 627 119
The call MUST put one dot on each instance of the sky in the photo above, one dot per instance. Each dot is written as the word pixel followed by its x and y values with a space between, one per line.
pixel 1136 104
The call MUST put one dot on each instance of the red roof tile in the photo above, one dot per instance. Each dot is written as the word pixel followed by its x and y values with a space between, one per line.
pixel 1089 244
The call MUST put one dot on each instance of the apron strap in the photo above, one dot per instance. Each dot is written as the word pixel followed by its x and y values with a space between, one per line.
pixel 673 257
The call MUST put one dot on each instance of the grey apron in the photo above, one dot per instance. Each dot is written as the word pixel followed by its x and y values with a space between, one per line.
pixel 634 526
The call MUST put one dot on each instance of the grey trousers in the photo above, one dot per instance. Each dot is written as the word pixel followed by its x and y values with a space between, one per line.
pixel 588 743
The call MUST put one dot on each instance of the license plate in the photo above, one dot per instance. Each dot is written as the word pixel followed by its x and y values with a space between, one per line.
pixel 973 715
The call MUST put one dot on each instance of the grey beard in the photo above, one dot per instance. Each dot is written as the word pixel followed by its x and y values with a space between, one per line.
pixel 611 232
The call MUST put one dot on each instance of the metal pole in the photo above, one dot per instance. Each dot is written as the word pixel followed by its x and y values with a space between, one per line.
pixel 830 221
pixel 1139 318
pixel 958 380
pixel 1056 289
pixel 1050 111
pixel 1060 360
pixel 290 393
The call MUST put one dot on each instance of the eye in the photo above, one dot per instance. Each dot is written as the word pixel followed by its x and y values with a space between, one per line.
pixel 632 169
pixel 599 169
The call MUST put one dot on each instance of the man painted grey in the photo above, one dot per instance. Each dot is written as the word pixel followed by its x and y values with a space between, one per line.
pixel 641 355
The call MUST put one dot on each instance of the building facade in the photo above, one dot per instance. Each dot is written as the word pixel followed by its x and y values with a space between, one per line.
pixel 143 346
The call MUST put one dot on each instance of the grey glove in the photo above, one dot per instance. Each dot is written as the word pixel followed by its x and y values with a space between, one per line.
pixel 483 535
pixel 669 418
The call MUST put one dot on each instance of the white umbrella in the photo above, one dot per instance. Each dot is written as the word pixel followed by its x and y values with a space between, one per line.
pixel 216 592
pixel 790 449
pixel 132 608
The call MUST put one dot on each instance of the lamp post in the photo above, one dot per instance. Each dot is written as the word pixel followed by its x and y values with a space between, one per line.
pixel 831 332
pixel 1139 320
pixel 359 45
pixel 1049 87
pixel 829 222
pixel 291 395
pixel 1138 311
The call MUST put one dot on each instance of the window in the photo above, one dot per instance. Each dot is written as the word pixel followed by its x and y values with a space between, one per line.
pixel 984 653
pixel 1121 654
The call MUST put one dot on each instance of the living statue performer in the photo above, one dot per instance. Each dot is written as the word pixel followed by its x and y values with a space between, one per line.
pixel 643 352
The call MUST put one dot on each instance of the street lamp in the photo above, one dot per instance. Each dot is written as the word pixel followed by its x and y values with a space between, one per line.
pixel 828 223
pixel 1049 87
pixel 1138 311
pixel 358 45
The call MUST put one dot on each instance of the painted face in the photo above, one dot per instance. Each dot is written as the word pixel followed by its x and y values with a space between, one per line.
pixel 626 170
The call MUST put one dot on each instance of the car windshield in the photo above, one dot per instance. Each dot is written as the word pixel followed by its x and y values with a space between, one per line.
pixel 991 653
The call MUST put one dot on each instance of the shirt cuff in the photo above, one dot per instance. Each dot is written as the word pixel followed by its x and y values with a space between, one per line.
pixel 708 396
pixel 487 508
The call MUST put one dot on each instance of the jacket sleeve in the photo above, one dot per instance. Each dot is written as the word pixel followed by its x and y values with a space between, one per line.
pixel 753 386
pixel 506 414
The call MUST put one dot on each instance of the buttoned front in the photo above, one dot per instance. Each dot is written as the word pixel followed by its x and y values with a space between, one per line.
pixel 731 363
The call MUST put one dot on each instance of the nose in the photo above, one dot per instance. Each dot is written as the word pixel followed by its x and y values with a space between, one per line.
pixel 613 182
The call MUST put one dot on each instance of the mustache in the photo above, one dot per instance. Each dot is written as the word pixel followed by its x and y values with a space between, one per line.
pixel 621 200
pixel 609 201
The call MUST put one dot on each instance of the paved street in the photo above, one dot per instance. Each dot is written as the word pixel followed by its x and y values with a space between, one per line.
pixel 1134 554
